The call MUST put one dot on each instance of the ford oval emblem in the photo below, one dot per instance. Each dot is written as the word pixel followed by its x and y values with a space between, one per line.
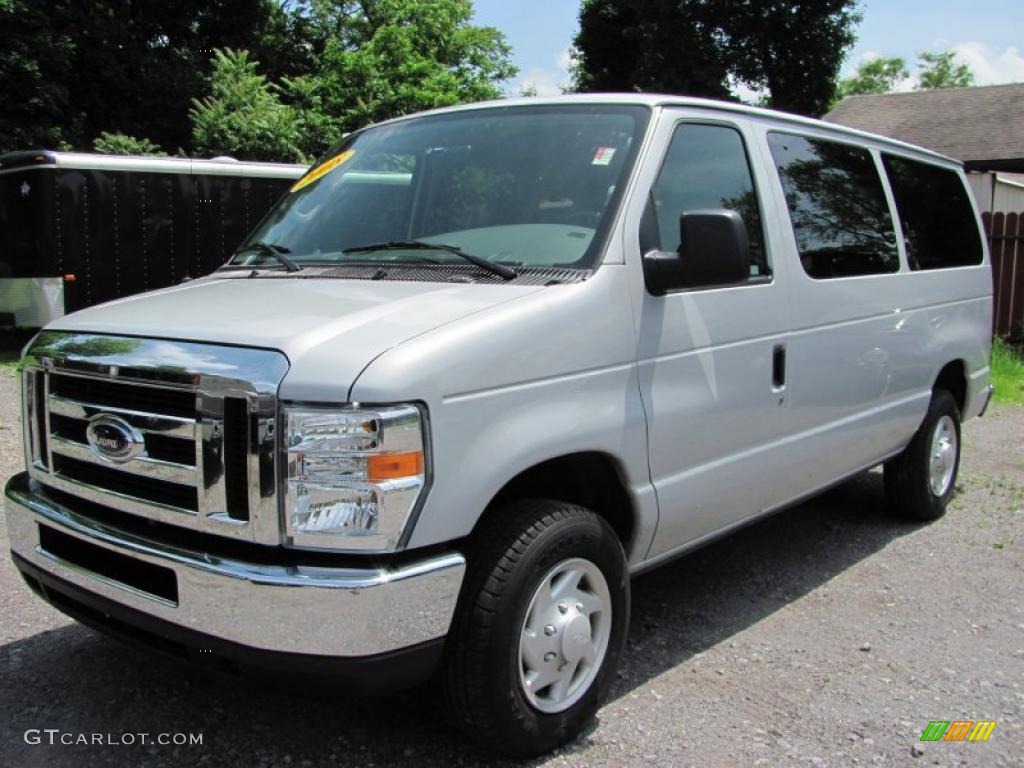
pixel 113 438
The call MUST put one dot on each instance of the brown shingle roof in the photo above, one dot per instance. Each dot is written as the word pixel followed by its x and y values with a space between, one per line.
pixel 983 126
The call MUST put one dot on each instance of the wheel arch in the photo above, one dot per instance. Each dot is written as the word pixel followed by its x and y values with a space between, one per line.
pixel 592 479
pixel 952 377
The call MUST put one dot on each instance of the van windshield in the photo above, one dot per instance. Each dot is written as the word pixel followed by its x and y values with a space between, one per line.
pixel 520 186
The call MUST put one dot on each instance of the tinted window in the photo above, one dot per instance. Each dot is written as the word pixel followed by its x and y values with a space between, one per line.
pixel 706 167
pixel 939 227
pixel 837 206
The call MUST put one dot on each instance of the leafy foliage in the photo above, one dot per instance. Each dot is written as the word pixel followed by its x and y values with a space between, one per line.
pixel 941 70
pixel 877 75
pixel 661 46
pixel 791 50
pixel 122 144
pixel 881 74
pixel 243 115
pixel 384 58
pixel 35 71
pixel 71 71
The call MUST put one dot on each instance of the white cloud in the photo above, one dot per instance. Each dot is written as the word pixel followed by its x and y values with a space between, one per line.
pixel 548 81
pixel 745 93
pixel 905 84
pixel 990 67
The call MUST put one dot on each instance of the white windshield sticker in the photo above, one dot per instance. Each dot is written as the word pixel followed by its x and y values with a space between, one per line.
pixel 603 156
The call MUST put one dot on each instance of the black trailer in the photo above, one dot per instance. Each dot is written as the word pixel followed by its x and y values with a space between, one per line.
pixel 80 229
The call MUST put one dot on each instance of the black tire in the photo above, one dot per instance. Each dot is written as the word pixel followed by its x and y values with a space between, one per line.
pixel 517 547
pixel 907 476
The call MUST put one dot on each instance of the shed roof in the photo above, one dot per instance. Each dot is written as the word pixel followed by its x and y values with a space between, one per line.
pixel 981 126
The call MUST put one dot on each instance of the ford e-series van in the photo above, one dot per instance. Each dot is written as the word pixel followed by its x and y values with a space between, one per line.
pixel 480 366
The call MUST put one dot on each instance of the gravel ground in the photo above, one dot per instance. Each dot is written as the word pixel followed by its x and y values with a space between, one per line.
pixel 825 635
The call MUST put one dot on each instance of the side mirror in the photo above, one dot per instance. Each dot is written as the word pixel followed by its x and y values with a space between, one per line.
pixel 714 250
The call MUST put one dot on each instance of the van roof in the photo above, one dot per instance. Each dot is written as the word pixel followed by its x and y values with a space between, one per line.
pixel 231 167
pixel 667 100
pixel 146 163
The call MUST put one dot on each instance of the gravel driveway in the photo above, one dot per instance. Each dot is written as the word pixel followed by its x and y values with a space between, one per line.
pixel 825 635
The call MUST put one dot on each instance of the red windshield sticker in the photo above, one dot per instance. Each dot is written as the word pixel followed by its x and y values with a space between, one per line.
pixel 603 156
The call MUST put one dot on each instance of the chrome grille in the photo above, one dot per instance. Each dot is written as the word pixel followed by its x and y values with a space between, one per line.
pixel 205 415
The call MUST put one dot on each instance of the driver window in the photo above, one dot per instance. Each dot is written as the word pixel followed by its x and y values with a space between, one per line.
pixel 707 167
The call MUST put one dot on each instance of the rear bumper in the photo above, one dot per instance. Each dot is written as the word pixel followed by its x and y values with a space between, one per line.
pixel 986 398
pixel 251 610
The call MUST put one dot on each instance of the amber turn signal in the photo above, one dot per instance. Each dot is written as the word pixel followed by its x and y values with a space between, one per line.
pixel 389 466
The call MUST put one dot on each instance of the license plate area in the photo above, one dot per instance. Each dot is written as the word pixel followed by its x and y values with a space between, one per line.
pixel 152 581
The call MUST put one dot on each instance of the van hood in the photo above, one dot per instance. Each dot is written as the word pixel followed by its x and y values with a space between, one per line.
pixel 330 330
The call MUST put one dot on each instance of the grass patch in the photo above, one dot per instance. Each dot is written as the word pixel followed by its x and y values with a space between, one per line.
pixel 1007 373
pixel 8 361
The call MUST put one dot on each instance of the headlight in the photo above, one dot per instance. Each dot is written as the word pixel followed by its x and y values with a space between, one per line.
pixel 354 475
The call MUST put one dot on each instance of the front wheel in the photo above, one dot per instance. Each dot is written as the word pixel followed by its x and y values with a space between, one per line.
pixel 539 628
pixel 920 481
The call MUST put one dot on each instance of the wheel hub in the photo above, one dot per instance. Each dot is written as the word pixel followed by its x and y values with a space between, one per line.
pixel 942 456
pixel 565 635
pixel 576 638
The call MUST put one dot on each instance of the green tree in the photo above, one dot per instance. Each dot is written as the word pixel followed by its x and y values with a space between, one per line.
pixel 35 70
pixel 877 75
pixel 662 46
pixel 121 144
pixel 941 70
pixel 790 50
pixel 316 128
pixel 384 58
pixel 243 116
pixel 69 70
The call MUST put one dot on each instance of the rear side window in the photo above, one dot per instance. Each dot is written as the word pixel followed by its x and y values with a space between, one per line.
pixel 939 227
pixel 837 207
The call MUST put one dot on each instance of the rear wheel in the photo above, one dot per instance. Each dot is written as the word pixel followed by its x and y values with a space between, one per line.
pixel 920 481
pixel 539 629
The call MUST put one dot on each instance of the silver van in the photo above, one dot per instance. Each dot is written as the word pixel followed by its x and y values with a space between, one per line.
pixel 479 367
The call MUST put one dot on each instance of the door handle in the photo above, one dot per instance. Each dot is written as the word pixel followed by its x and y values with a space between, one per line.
pixel 779 367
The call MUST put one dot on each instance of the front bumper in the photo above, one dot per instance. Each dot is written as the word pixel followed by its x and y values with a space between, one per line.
pixel 308 611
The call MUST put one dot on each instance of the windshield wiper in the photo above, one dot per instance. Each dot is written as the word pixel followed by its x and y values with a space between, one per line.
pixel 273 250
pixel 421 245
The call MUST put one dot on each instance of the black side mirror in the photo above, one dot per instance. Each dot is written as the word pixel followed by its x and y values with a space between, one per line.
pixel 714 250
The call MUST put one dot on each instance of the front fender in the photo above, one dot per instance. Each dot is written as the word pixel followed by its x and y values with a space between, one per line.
pixel 545 375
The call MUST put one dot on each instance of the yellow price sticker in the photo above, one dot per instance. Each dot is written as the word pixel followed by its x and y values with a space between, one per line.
pixel 322 170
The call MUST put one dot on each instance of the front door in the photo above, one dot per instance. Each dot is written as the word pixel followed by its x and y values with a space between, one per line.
pixel 711 361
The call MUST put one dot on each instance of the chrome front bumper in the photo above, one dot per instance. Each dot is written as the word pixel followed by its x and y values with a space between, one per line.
pixel 292 609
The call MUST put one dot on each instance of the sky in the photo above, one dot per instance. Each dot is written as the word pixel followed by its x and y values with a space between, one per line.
pixel 988 35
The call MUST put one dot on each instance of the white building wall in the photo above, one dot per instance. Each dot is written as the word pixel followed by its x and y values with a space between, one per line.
pixel 998 192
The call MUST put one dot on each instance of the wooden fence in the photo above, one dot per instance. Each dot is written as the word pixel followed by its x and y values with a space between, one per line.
pixel 1006 241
